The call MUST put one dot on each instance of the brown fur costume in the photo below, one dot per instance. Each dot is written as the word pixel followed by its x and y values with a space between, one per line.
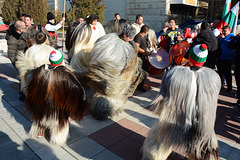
pixel 54 94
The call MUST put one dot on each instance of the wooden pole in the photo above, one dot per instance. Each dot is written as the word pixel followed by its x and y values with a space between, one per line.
pixel 211 18
pixel 63 23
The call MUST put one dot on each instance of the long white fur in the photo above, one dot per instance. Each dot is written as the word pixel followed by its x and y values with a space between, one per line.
pixel 153 38
pixel 80 51
pixel 58 137
pixel 186 107
pixel 34 57
pixel 114 73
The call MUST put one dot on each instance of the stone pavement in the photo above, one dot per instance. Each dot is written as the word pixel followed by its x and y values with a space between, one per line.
pixel 116 139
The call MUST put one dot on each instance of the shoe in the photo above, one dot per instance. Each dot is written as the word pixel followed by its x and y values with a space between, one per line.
pixel 237 117
pixel 141 89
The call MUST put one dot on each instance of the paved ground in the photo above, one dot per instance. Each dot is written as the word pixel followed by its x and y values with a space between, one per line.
pixel 116 139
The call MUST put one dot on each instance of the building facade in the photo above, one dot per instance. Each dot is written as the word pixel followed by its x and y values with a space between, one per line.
pixel 155 12
pixel 58 5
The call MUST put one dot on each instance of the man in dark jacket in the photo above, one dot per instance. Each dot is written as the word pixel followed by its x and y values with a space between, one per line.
pixel 234 45
pixel 207 37
pixel 16 41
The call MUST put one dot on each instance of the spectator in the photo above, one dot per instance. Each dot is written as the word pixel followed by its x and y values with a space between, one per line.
pixel 92 19
pixel 23 17
pixel 224 63
pixel 32 32
pixel 40 38
pixel 15 40
pixel 28 21
pixel 171 34
pixel 234 45
pixel 207 37
pixel 80 20
pixel 143 51
pixel 214 24
pixel 117 16
pixel 50 27
pixel 138 24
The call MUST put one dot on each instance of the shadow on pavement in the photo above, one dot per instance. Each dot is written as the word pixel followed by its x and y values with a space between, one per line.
pixel 226 126
pixel 8 71
pixel 11 150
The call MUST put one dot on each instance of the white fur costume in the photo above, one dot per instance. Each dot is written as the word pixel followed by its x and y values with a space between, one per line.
pixel 34 57
pixel 186 107
pixel 83 38
pixel 114 72
pixel 54 94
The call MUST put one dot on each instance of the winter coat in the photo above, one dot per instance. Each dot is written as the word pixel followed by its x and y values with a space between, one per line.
pixel 214 50
pixel 226 52
pixel 234 45
pixel 16 42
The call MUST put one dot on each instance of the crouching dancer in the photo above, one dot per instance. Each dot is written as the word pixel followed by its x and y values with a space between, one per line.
pixel 114 73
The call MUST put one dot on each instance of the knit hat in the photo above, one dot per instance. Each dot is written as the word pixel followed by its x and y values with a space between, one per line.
pixel 50 16
pixel 56 58
pixel 198 55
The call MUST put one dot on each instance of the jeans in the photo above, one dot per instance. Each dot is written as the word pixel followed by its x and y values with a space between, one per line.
pixel 224 67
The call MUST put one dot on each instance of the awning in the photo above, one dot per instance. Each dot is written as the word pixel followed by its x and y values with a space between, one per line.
pixel 186 2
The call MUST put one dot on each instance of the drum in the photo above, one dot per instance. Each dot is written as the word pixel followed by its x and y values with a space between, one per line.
pixel 158 62
pixel 178 51
pixel 185 62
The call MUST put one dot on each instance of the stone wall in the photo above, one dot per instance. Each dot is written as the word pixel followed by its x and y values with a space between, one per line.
pixel 58 4
pixel 155 12
pixel 115 6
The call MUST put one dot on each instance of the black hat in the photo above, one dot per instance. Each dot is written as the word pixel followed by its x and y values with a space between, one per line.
pixel 50 16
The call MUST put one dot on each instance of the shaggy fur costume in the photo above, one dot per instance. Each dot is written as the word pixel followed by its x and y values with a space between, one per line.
pixel 115 26
pixel 186 107
pixel 34 57
pixel 54 94
pixel 114 72
pixel 83 39
pixel 152 38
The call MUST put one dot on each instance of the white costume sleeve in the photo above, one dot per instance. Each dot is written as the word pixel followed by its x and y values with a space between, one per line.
pixel 50 27
pixel 216 32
